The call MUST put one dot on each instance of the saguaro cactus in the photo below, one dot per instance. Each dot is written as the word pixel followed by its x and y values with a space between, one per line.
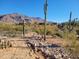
pixel 45 13
pixel 69 24
pixel 70 20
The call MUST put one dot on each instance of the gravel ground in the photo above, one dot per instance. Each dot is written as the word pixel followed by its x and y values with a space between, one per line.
pixel 18 52
pixel 47 50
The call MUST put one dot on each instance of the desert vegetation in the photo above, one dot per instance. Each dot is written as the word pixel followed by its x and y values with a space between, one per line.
pixel 61 37
pixel 66 31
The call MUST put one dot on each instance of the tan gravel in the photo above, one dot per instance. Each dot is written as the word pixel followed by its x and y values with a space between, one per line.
pixel 18 53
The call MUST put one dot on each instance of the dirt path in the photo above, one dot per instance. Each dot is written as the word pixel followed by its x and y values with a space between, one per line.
pixel 18 53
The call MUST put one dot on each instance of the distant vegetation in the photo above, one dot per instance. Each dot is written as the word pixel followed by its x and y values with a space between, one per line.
pixel 71 34
pixel 69 31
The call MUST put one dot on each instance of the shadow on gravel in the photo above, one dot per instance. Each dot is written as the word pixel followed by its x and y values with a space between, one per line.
pixel 53 45
pixel 49 46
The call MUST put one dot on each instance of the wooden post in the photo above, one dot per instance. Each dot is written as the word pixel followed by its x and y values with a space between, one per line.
pixel 23 29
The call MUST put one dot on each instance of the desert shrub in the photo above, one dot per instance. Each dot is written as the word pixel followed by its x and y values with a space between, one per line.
pixel 50 29
pixel 5 44
pixel 70 38
pixel 38 31
pixel 11 30
pixel 72 43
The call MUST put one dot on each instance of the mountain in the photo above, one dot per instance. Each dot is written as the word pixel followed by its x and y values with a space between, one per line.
pixel 18 18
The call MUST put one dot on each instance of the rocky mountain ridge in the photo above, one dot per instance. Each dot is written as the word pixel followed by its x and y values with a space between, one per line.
pixel 18 18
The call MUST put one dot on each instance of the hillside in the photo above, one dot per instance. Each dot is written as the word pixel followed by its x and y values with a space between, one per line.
pixel 18 18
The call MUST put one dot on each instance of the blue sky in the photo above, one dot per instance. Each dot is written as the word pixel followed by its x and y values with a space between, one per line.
pixel 58 10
